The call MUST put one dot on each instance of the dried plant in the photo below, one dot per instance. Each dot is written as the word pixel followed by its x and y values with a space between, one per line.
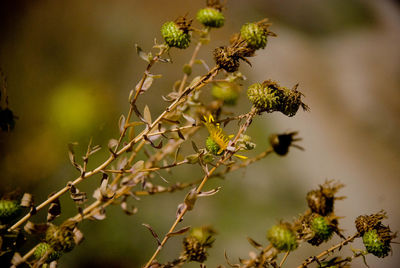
pixel 124 177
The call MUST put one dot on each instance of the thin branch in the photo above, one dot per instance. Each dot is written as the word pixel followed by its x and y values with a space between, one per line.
pixel 332 249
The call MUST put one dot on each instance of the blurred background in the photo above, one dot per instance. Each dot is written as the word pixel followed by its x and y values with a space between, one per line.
pixel 71 64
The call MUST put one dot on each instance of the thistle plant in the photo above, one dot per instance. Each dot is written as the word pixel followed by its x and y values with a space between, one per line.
pixel 124 176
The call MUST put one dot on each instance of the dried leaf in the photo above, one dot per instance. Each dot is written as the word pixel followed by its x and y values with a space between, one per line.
pixel 191 120
pixel 54 210
pixel 152 144
pixel 17 259
pixel 170 121
pixel 32 228
pixel 71 154
pixel 179 232
pixel 112 143
pixel 180 135
pixel 255 244
pixel 105 190
pixel 27 200
pixel 126 209
pixel 195 147
pixel 121 123
pixel 147 115
pixel 100 215
pixel 179 210
pixel 209 193
pixel 141 53
pixel 76 195
pixel 78 236
pixel 146 84
pixel 154 234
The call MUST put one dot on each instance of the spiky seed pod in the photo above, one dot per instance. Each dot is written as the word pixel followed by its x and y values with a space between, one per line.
pixel 195 245
pixel 176 33
pixel 225 60
pixel 365 223
pixel 281 142
pixel 61 238
pixel 211 17
pixel 9 209
pixel 255 34
pixel 227 92
pixel 377 241
pixel 322 230
pixel 265 97
pixel 282 237
pixel 270 97
pixel 212 146
pixel 321 201
pixel 44 248
pixel 292 102
pixel 194 250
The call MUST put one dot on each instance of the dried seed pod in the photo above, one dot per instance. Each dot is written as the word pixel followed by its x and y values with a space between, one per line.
pixel 226 60
pixel 281 142
pixel 44 248
pixel 321 201
pixel 195 245
pixel 377 241
pixel 282 237
pixel 211 17
pixel 365 223
pixel 176 33
pixel 61 238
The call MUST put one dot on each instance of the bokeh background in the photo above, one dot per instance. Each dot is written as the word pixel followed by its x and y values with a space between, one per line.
pixel 71 64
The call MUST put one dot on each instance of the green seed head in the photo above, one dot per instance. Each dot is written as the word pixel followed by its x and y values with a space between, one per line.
pixel 174 35
pixel 212 146
pixel 9 209
pixel 376 244
pixel 264 98
pixel 282 237
pixel 211 17
pixel 255 35
pixel 322 230
pixel 44 248
pixel 226 91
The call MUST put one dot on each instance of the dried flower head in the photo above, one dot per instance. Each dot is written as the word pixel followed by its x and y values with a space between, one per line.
pixel 281 142
pixel 321 201
pixel 366 223
pixel 195 245
pixel 61 238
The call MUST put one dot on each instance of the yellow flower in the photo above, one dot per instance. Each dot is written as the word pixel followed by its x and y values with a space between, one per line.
pixel 218 140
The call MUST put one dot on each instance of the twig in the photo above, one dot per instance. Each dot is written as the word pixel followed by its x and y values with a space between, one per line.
pixel 284 259
pixel 322 254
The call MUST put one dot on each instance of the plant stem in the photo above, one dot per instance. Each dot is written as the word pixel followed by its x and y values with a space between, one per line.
pixel 322 254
